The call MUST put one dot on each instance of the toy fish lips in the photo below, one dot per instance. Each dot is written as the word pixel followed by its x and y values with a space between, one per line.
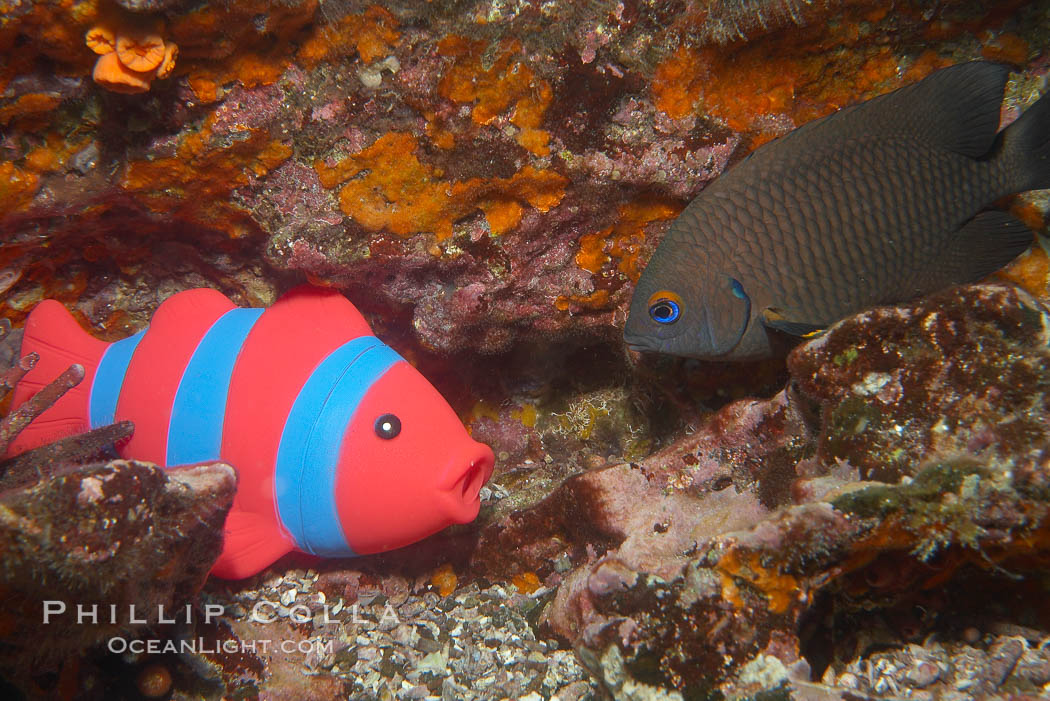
pixel 342 447
pixel 463 480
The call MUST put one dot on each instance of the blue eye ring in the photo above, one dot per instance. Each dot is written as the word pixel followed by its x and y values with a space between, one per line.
pixel 738 289
pixel 664 310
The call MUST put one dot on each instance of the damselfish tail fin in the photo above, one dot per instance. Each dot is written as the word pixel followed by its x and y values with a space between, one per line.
pixel 52 333
pixel 1026 149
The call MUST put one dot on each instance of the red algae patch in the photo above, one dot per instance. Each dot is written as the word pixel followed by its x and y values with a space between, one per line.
pixel 678 83
pixel 738 566
pixel 526 583
pixel 223 45
pixel 1031 271
pixel 444 579
pixel 748 86
pixel 397 192
pixel 623 241
pixel 599 299
pixel 1005 48
pixel 28 110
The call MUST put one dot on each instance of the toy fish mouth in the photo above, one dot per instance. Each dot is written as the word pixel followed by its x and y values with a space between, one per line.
pixel 463 481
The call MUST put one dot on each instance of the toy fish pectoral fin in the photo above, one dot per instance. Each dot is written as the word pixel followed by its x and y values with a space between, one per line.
pixel 776 319
pixel 250 545
pixel 55 336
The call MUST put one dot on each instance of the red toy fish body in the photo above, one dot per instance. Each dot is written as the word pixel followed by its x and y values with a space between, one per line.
pixel 342 448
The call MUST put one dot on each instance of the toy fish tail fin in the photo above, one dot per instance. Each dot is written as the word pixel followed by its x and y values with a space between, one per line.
pixel 55 336
pixel 1026 149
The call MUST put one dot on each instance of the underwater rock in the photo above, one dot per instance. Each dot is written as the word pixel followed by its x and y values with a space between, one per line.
pixel 953 670
pixel 963 372
pixel 146 5
pixel 896 440
pixel 731 472
pixel 486 180
pixel 120 534
pixel 758 598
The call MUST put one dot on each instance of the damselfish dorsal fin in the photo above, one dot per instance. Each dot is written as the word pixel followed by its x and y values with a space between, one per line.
pixel 955 109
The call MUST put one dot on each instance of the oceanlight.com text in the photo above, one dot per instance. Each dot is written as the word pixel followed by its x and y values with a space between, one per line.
pixel 199 646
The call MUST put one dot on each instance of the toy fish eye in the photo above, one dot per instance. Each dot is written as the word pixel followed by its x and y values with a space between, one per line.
pixel 664 307
pixel 388 426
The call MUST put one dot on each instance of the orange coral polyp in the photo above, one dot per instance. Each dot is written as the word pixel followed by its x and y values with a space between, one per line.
pixel 171 52
pixel 101 40
pixel 113 75
pixel 141 53
pixel 129 60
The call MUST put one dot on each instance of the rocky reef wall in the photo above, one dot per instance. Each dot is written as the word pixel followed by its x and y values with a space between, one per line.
pixel 486 179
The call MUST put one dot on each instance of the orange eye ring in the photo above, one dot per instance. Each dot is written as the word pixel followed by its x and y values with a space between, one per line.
pixel 663 295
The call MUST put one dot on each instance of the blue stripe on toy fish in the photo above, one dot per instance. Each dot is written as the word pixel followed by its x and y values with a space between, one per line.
pixel 308 455
pixel 195 427
pixel 105 389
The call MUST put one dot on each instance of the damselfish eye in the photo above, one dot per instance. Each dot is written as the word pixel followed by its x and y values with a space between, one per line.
pixel 388 426
pixel 665 311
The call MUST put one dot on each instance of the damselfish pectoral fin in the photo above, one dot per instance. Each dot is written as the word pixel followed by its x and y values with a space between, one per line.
pixel 776 319
pixel 984 244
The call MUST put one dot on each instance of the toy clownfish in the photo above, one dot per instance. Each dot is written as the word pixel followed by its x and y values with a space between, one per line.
pixel 342 448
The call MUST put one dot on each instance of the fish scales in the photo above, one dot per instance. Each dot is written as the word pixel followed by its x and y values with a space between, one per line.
pixel 877 203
